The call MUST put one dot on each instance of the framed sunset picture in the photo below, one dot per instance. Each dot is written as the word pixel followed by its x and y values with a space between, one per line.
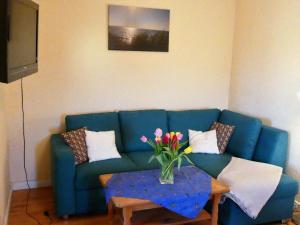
pixel 138 29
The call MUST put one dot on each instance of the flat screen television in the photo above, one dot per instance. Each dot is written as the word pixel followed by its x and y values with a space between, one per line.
pixel 18 39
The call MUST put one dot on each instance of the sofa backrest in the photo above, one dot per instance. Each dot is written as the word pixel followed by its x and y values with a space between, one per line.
pixel 200 120
pixel 96 122
pixel 250 139
pixel 272 146
pixel 244 138
pixel 135 124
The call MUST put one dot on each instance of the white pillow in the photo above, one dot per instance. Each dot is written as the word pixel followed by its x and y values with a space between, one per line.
pixel 101 145
pixel 204 142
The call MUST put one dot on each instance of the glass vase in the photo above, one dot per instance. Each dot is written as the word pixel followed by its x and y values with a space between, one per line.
pixel 167 174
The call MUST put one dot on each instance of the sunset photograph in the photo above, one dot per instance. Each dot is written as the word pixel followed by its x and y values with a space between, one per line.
pixel 138 29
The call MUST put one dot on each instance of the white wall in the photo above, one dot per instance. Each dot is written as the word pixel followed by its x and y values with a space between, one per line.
pixel 4 178
pixel 78 74
pixel 266 67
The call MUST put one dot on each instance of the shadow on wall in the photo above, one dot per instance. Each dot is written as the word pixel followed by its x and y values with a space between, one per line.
pixel 294 142
pixel 43 160
pixel 266 121
pixel 43 153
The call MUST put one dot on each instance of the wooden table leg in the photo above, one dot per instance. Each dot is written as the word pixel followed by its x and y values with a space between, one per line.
pixel 215 209
pixel 110 213
pixel 127 214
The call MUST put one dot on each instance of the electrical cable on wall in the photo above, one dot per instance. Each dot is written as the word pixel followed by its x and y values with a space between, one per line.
pixel 24 159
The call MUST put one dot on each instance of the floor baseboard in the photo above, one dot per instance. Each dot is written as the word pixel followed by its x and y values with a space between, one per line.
pixel 7 209
pixel 33 184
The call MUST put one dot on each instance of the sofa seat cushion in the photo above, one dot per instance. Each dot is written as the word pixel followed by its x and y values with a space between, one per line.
pixel 141 158
pixel 96 122
pixel 87 174
pixel 135 124
pixel 199 120
pixel 279 206
pixel 212 164
pixel 245 135
pixel 287 187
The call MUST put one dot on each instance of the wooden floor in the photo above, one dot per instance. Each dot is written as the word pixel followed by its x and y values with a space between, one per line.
pixel 41 200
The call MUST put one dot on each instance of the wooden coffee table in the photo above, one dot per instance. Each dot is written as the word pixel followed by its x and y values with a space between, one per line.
pixel 158 215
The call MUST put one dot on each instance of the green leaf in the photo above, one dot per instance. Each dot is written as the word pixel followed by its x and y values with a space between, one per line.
pixel 160 159
pixel 179 163
pixel 183 144
pixel 151 158
pixel 168 153
pixel 151 144
pixel 187 158
pixel 167 148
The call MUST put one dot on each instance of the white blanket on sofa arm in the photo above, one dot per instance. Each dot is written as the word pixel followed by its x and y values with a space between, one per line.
pixel 251 183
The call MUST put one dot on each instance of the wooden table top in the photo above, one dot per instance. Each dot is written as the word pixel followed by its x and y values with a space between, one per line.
pixel 120 202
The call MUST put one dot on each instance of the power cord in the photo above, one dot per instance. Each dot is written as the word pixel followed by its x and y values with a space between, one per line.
pixel 46 213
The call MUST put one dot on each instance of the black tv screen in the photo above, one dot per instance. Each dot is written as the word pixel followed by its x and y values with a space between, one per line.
pixel 20 42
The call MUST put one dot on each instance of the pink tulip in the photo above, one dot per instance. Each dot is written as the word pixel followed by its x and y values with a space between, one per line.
pixel 180 136
pixel 158 132
pixel 144 139
pixel 168 135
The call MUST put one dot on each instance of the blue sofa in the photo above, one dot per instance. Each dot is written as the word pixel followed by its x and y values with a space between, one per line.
pixel 77 190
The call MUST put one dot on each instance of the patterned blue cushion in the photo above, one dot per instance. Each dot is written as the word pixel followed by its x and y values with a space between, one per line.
pixel 245 135
pixel 135 124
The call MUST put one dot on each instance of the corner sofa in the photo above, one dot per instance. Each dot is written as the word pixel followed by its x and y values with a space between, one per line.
pixel 77 190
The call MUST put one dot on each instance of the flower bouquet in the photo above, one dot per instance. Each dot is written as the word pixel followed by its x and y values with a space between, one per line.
pixel 167 153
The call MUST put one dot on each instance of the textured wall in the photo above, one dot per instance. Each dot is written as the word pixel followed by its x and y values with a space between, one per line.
pixel 4 180
pixel 78 74
pixel 266 67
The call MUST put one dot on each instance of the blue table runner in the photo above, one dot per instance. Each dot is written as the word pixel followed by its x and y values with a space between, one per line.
pixel 187 196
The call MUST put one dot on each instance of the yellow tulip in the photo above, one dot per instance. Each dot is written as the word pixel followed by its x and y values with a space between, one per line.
pixel 172 134
pixel 188 150
pixel 158 139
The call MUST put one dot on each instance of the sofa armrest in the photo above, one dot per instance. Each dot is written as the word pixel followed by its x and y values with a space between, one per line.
pixel 63 176
pixel 272 146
